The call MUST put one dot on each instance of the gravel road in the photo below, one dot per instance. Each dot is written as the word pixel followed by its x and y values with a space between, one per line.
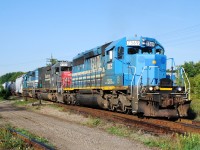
pixel 64 133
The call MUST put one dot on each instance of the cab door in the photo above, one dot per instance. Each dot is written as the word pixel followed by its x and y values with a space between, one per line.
pixel 108 79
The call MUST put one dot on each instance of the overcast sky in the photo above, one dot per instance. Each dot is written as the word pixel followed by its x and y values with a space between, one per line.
pixel 32 30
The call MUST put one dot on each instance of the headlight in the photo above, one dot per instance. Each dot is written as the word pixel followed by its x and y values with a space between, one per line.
pixel 179 89
pixel 156 87
pixel 150 88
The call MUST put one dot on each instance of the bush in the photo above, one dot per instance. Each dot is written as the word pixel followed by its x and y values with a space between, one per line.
pixel 4 94
pixel 188 142
pixel 195 84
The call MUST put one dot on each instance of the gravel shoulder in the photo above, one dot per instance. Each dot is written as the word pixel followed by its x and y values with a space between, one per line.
pixel 63 129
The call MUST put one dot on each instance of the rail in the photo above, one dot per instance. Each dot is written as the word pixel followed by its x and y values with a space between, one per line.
pixel 149 125
pixel 36 144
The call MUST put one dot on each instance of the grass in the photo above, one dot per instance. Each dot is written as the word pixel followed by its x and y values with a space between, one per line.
pixel 175 142
pixel 195 106
pixel 1 99
pixel 15 142
pixel 94 122
pixel 8 141
pixel 119 131
pixel 167 142
pixel 33 136
pixel 24 102
pixel 60 108
pixel 179 142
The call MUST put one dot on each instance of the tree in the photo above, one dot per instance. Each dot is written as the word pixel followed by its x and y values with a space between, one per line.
pixel 195 84
pixel 10 77
pixel 192 69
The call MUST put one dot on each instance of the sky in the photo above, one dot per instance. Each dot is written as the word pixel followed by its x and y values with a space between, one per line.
pixel 33 30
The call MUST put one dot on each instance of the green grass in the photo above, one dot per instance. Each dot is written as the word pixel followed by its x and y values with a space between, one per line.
pixel 119 131
pixel 24 102
pixel 167 142
pixel 32 136
pixel 195 106
pixel 8 141
pixel 161 142
pixel 94 122
pixel 178 142
pixel 191 142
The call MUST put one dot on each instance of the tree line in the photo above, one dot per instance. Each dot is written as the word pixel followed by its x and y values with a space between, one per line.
pixel 10 77
pixel 6 78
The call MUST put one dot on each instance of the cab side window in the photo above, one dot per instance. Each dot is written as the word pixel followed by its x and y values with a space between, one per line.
pixel 133 51
pixel 120 52
pixel 110 55
pixel 56 70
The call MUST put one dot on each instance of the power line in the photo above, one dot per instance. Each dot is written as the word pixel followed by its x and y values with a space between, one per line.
pixel 178 31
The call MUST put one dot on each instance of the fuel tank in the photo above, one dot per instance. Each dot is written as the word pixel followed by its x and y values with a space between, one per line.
pixel 46 96
pixel 91 100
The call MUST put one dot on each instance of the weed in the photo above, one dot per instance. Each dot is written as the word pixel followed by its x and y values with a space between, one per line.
pixel 32 136
pixel 24 102
pixel 119 131
pixel 179 142
pixel 161 142
pixel 60 108
pixel 190 141
pixel 195 106
pixel 8 141
pixel 94 122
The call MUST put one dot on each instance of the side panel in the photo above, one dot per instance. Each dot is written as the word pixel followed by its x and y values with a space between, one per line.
pixel 44 77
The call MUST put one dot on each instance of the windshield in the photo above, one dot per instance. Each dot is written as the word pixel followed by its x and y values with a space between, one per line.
pixel 145 50
pixel 65 69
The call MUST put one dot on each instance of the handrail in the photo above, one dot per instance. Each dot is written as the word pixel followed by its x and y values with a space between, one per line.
pixel 188 81
pixel 132 79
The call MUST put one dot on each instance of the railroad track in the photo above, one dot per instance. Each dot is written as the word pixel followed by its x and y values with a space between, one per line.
pixel 151 125
pixel 154 126
pixel 36 145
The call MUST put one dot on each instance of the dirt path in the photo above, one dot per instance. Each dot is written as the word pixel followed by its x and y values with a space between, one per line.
pixel 63 133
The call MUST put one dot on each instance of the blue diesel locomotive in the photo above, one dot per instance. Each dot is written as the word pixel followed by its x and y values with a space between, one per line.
pixel 129 75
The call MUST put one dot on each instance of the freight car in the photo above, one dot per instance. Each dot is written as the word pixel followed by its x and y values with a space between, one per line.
pixel 19 85
pixel 128 75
